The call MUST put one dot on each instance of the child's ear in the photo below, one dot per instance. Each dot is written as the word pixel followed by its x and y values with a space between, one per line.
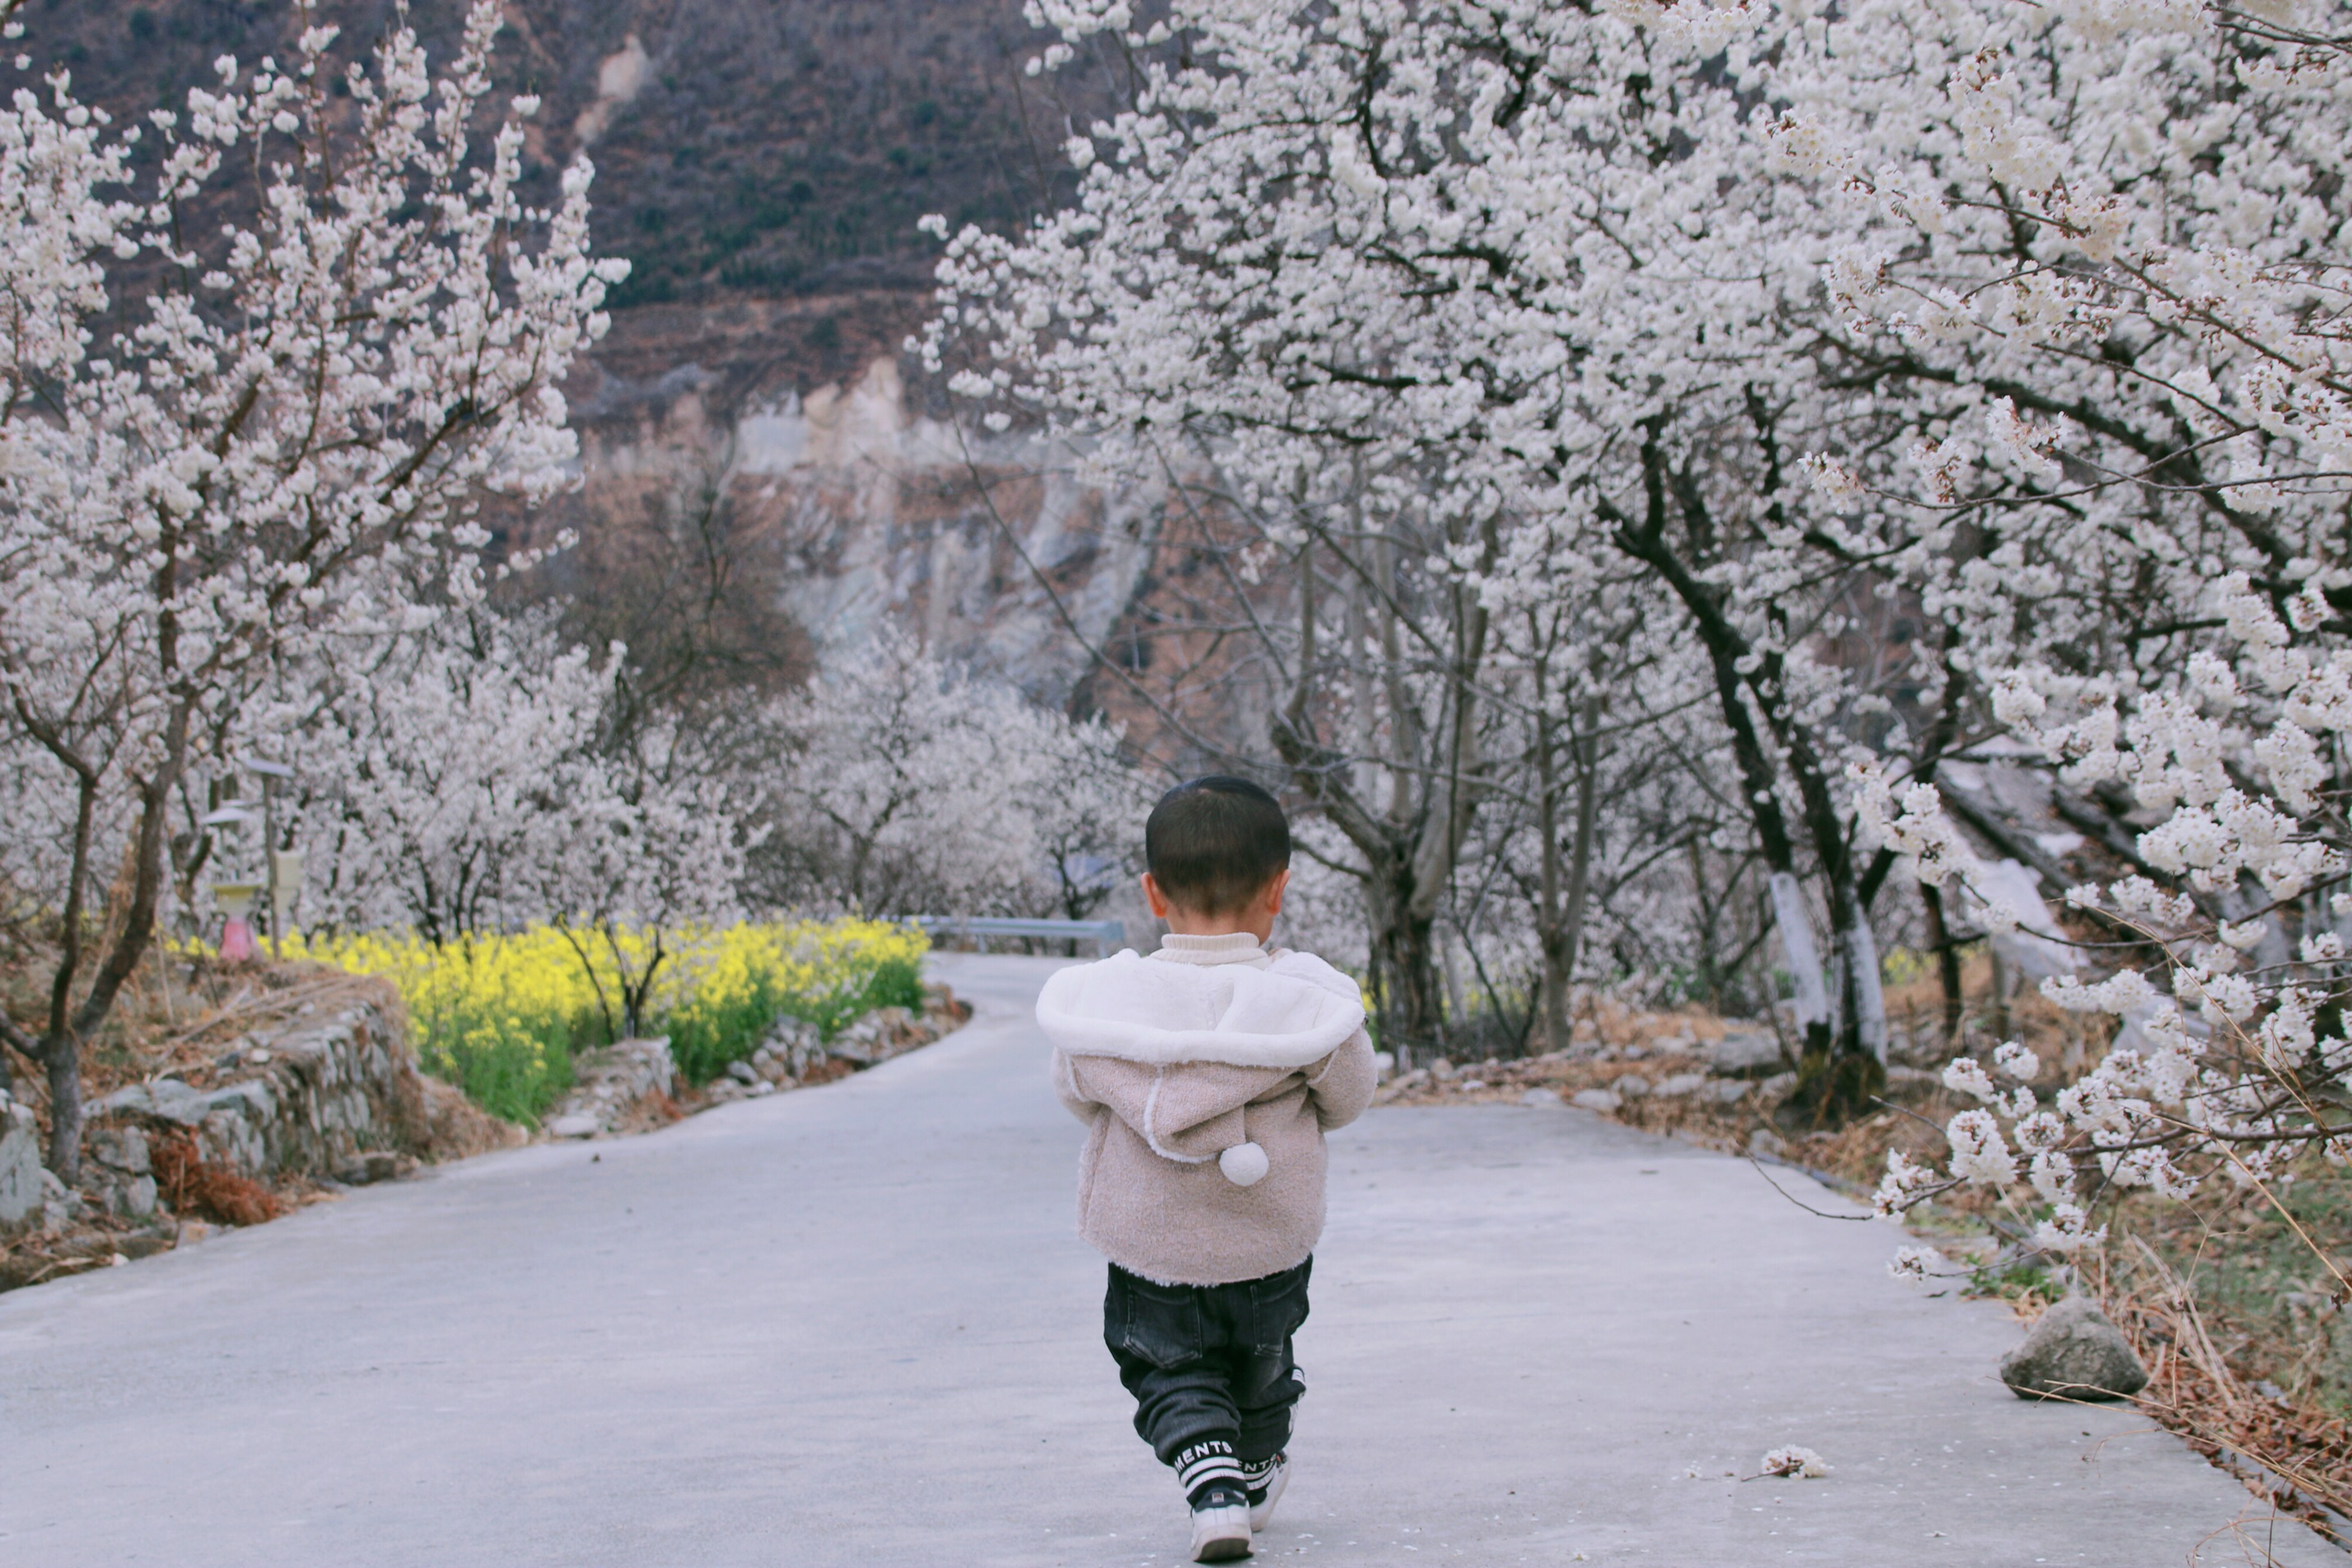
pixel 1274 890
pixel 1152 896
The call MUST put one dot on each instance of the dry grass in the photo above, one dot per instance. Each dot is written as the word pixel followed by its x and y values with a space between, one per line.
pixel 179 1015
pixel 2246 1371
pixel 191 1186
pixel 42 1256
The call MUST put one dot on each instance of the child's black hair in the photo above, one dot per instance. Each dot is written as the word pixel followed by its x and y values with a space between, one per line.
pixel 1213 843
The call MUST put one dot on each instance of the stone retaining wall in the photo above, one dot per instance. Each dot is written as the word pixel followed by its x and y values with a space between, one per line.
pixel 335 1096
pixel 614 1089
pixel 635 1085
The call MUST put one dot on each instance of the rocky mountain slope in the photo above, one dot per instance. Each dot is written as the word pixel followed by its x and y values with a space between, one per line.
pixel 744 147
pixel 762 164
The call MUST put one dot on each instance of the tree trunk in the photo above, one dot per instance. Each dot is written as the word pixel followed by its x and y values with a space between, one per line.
pixel 1552 925
pixel 1947 962
pixel 63 1060
pixel 62 1047
pixel 1999 993
pixel 1861 1008
pixel 635 997
pixel 1408 991
pixel 1710 950
pixel 1812 997
pixel 1588 812
pixel 587 967
pixel 1551 928
pixel 1843 1068
pixel 1563 933
pixel 1402 984
pixel 1845 1072
pixel 1409 840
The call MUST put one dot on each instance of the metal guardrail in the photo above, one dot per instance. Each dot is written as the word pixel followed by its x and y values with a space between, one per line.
pixel 1109 936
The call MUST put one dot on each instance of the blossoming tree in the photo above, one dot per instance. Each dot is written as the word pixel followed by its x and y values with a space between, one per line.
pixel 440 771
pixel 2108 239
pixel 1519 282
pixel 251 401
pixel 906 787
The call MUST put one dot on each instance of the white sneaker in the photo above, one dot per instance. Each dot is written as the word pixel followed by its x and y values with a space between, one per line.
pixel 1265 1489
pixel 1221 1527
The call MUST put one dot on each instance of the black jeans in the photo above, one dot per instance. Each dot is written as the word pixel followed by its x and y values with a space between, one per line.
pixel 1209 1365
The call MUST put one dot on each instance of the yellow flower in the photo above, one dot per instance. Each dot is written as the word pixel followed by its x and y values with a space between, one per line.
pixel 501 1014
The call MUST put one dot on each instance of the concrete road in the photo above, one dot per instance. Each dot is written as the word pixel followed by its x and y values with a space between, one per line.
pixel 853 1326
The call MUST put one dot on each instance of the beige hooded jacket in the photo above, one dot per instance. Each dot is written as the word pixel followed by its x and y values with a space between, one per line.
pixel 1206 1075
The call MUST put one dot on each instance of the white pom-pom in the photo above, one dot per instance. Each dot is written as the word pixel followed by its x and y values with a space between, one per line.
pixel 1244 1165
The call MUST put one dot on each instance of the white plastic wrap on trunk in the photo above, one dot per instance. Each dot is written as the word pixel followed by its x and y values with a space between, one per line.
pixel 1862 949
pixel 1796 945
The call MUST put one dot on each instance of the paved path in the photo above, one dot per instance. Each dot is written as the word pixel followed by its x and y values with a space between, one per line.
pixel 852 1326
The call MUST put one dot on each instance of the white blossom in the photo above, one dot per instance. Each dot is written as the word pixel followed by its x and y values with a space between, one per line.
pixel 1966 1076
pixel 1905 1184
pixel 2053 291
pixel 910 788
pixel 1979 1154
pixel 1915 1265
pixel 2067 1230
pixel 1793 1461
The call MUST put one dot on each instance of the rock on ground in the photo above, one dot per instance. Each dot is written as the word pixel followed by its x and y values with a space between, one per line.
pixel 2074 1353
pixel 1740 1054
pixel 118 1174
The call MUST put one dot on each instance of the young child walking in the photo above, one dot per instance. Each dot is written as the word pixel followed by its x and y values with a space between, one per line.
pixel 1207 1074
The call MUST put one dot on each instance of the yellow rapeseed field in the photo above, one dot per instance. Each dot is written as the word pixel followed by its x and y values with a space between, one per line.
pixel 500 1014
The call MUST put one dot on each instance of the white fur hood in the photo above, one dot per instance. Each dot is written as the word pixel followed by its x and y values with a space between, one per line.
pixel 1295 1010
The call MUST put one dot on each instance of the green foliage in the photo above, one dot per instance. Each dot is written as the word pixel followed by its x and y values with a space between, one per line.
pixel 728 1025
pixel 512 1068
pixel 502 1015
pixel 734 985
pixel 2014 1281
